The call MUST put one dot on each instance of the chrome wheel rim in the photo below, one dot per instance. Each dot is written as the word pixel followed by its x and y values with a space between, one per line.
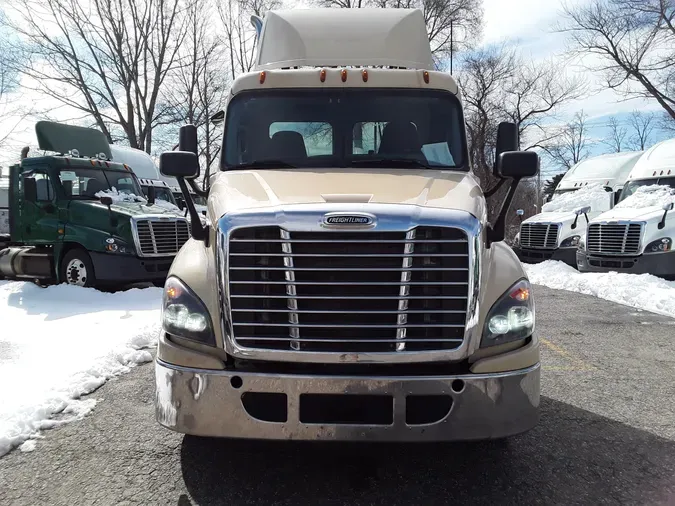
pixel 76 272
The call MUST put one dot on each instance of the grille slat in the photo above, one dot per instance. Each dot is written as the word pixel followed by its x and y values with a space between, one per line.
pixel 158 238
pixel 315 291
pixel 614 239
pixel 539 235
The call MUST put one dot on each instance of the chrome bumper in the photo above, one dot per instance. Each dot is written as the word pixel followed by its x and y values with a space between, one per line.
pixel 482 406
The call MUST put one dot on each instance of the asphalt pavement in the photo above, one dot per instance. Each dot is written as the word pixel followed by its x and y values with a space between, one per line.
pixel 606 436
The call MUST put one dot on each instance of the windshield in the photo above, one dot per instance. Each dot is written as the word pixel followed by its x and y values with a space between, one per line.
pixel 86 183
pixel 632 186
pixel 598 197
pixel 344 128
pixel 161 193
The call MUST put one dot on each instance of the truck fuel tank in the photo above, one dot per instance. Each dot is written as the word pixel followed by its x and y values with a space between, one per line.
pixel 32 263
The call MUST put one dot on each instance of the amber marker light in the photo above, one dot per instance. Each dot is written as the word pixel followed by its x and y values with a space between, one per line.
pixel 263 75
pixel 521 294
pixel 365 76
pixel 426 77
pixel 344 75
pixel 172 292
pixel 322 75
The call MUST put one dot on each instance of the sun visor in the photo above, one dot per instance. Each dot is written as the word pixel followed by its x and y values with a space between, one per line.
pixel 61 138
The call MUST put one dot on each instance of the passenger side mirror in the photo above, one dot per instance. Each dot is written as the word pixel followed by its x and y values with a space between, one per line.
pixel 179 164
pixel 507 138
pixel 106 201
pixel 668 206
pixel 29 189
pixel 517 164
pixel 582 210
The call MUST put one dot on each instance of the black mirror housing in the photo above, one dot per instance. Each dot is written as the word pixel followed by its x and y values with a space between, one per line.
pixel 507 138
pixel 151 195
pixel 187 139
pixel 106 201
pixel 517 164
pixel 179 164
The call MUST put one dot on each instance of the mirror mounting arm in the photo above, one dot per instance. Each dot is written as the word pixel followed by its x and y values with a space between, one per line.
pixel 199 232
pixel 496 232
pixel 666 208
pixel 195 187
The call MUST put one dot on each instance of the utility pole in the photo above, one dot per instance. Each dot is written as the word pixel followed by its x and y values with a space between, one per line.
pixel 451 49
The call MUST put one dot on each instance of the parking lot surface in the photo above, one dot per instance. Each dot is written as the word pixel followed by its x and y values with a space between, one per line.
pixel 606 436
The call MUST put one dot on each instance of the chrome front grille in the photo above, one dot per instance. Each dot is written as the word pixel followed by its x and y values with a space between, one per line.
pixel 160 237
pixel 350 292
pixel 614 238
pixel 539 235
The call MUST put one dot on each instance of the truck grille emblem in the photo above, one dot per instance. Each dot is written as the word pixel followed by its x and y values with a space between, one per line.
pixel 347 220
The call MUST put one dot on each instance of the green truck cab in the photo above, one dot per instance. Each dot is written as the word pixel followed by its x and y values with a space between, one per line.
pixel 81 219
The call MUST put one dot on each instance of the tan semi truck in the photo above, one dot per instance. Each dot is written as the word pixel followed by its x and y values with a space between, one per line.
pixel 348 284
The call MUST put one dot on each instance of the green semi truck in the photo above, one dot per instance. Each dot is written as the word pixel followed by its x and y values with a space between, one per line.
pixel 77 217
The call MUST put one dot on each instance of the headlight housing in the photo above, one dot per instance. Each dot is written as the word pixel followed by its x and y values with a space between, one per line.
pixel 184 314
pixel 660 245
pixel 511 317
pixel 571 242
pixel 582 242
pixel 114 245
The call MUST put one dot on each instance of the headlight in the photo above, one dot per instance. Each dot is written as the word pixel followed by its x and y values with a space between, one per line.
pixel 113 245
pixel 511 317
pixel 571 242
pixel 184 315
pixel 659 246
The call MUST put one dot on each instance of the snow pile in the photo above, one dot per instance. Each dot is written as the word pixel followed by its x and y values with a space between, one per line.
pixel 163 204
pixel 120 196
pixel 592 195
pixel 649 196
pixel 627 289
pixel 61 342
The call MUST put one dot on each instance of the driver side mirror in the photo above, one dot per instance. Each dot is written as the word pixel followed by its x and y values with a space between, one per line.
pixel 668 207
pixel 179 164
pixel 582 210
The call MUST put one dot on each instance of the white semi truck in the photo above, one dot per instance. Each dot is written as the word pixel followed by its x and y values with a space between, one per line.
pixel 347 284
pixel 588 189
pixel 637 235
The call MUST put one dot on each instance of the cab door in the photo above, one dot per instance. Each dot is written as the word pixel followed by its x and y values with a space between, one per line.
pixel 39 211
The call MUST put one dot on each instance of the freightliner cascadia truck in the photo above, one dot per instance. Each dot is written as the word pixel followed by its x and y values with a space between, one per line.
pixel 348 284
pixel 77 217
pixel 588 189
pixel 637 235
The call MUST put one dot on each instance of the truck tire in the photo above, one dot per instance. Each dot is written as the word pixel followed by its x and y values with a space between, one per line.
pixel 77 269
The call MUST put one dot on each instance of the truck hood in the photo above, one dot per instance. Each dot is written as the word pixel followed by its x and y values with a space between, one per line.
pixel 551 217
pixel 238 190
pixel 631 213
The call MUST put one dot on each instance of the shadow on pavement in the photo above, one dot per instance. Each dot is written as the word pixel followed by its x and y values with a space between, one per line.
pixel 572 457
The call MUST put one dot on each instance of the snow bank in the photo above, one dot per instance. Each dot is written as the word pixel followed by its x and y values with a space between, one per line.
pixel 121 196
pixel 61 342
pixel 591 195
pixel 627 289
pixel 649 196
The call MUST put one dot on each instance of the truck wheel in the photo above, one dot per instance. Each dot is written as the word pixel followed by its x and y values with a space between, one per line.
pixel 77 269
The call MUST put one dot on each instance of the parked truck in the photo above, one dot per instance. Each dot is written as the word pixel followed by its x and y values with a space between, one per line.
pixel 146 170
pixel 637 235
pixel 76 217
pixel 588 189
pixel 4 205
pixel 347 284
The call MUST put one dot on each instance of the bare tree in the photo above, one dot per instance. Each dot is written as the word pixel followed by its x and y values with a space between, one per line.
pixel 617 135
pixel 570 144
pixel 108 59
pixel 452 25
pixel 197 89
pixel 642 126
pixel 635 43
pixel 240 36
pixel 11 114
pixel 500 85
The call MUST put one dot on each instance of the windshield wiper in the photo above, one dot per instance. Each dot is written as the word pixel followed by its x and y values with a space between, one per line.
pixel 263 164
pixel 391 162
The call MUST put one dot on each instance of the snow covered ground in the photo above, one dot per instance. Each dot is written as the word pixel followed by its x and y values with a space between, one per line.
pixel 61 342
pixel 641 291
